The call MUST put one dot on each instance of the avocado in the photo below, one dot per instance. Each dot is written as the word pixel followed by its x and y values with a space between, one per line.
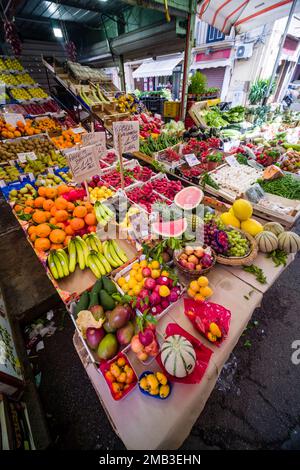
pixel 94 299
pixel 97 286
pixel 106 300
pixel 83 303
pixel 109 286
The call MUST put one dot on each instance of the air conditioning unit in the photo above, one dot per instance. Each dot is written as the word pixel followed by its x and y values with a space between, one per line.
pixel 244 51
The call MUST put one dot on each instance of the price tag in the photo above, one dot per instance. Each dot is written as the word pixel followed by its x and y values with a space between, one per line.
pixel 2 184
pixel 232 161
pixel 13 118
pixel 228 146
pixel 25 156
pixel 31 176
pixel 191 159
pixel 129 133
pixel 98 139
pixel 78 130
pixel 83 163
pixel 23 177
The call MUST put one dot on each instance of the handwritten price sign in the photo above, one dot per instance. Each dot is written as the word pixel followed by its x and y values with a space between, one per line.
pixel 97 139
pixel 128 133
pixel 83 163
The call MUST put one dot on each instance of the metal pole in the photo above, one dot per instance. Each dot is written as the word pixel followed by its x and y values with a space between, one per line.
pixel 187 55
pixel 122 73
pixel 268 92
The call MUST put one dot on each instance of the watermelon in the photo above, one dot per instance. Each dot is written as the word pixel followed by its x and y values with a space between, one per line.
pixel 174 228
pixel 178 356
pixel 189 198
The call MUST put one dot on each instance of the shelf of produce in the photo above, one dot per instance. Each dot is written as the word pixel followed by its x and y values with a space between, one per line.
pixel 271 272
pixel 186 402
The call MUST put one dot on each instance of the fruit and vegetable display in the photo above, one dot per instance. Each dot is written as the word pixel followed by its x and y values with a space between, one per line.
pixel 291 162
pixel 99 192
pixel 149 125
pixel 67 139
pixel 39 145
pixel 287 186
pixel 126 103
pixel 9 173
pixel 151 144
pixel 145 196
pixel 178 356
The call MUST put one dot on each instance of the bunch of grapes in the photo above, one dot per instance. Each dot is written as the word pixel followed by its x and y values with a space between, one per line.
pixel 214 237
pixel 239 245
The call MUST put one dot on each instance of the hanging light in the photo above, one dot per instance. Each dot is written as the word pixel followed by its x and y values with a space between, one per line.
pixel 57 32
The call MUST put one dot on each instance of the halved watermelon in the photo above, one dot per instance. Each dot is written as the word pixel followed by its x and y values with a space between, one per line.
pixel 173 228
pixel 189 198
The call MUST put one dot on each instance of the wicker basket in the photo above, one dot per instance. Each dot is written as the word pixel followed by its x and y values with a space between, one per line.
pixel 188 273
pixel 240 260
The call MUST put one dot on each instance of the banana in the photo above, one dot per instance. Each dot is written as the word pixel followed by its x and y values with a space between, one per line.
pixel 63 261
pixel 108 211
pixel 114 254
pixel 121 254
pixel 85 248
pixel 58 266
pixel 105 263
pixel 108 256
pixel 52 266
pixel 98 242
pixel 91 243
pixel 72 255
pixel 99 264
pixel 80 255
pixel 93 267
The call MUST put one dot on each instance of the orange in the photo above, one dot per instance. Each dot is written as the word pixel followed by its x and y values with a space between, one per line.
pixel 28 210
pixel 39 217
pixel 61 203
pixel 53 211
pixel 51 193
pixel 57 236
pixel 77 224
pixel 42 244
pixel 48 215
pixel 56 246
pixel 80 211
pixel 42 191
pixel 53 221
pixel 60 225
pixel 48 204
pixel 63 189
pixel 18 208
pixel 90 219
pixel 33 237
pixel 39 201
pixel 61 215
pixel 67 239
pixel 70 207
pixel 69 230
pixel 31 229
pixel 29 203
pixel 89 207
pixel 42 230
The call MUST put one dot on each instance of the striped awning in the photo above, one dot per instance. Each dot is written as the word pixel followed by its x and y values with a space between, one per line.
pixel 244 15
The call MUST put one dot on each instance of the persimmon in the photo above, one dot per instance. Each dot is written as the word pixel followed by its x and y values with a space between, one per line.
pixel 61 203
pixel 67 239
pixel 57 236
pixel 39 217
pixel 77 224
pixel 29 202
pixel 90 219
pixel 51 193
pixel 53 211
pixel 70 207
pixel 43 230
pixel 69 230
pixel 48 204
pixel 39 201
pixel 33 237
pixel 60 225
pixel 42 244
pixel 31 229
pixel 80 211
pixel 53 221
pixel 61 215
pixel 28 210
pixel 18 208
pixel 63 189
pixel 42 191
pixel 89 207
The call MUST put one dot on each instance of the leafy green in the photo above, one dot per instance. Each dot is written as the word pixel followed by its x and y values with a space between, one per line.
pixel 206 179
pixel 279 257
pixel 287 186
pixel 197 84
pixel 257 272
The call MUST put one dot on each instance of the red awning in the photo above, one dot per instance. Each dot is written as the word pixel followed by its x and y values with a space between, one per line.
pixel 244 15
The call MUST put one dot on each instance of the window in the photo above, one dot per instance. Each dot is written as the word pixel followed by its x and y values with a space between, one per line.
pixel 213 35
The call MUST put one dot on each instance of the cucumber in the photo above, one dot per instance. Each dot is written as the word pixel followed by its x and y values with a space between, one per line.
pixel 83 303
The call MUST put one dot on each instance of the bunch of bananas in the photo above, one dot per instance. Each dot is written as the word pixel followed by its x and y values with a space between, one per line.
pixel 103 213
pixel 87 252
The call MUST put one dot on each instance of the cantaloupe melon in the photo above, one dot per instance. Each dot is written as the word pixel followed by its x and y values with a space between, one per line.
pixel 266 241
pixel 289 242
pixel 274 227
pixel 178 356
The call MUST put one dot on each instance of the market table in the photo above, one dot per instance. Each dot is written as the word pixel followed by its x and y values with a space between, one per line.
pixel 141 421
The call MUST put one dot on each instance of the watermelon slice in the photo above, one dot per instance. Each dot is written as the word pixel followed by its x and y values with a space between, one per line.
pixel 189 198
pixel 173 228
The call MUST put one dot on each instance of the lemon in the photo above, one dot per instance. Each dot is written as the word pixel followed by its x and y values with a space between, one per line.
pixel 206 291
pixel 137 289
pixel 139 277
pixel 132 273
pixel 202 281
pixel 121 281
pixel 131 283
pixel 164 291
pixel 155 273
pixel 242 209
pixel 155 265
pixel 136 266
pixel 194 286
pixel 125 287
pixel 143 263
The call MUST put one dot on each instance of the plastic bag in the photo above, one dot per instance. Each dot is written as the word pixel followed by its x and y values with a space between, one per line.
pixel 202 356
pixel 202 314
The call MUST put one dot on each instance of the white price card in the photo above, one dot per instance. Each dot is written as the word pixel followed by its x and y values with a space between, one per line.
pixel 191 159
pixel 231 160
pixel 98 139
pixel 128 132
pixel 83 163
pixel 78 130
pixel 228 146
pixel 25 156
pixel 2 184
pixel 13 118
